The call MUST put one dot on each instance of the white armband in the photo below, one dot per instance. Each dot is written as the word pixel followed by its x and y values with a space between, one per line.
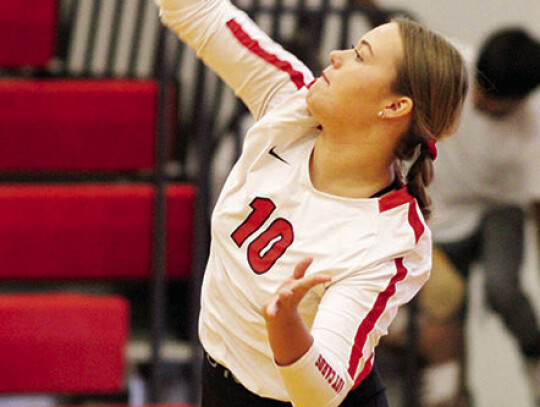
pixel 313 381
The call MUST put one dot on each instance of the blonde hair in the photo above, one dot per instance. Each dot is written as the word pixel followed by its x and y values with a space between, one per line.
pixel 433 74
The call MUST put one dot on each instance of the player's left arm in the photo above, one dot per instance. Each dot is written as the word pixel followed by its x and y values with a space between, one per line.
pixel 289 336
pixel 320 367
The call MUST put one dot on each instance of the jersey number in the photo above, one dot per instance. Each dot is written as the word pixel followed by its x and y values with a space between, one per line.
pixel 270 244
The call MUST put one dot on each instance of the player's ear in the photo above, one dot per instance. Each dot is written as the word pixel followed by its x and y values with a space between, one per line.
pixel 397 108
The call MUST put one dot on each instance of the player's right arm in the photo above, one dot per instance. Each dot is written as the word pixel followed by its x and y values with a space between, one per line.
pixel 260 71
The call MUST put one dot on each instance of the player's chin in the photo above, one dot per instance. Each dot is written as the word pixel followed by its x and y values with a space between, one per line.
pixel 313 98
pixel 316 104
pixel 316 85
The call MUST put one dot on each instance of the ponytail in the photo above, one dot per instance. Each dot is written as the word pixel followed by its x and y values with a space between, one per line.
pixel 418 177
pixel 433 74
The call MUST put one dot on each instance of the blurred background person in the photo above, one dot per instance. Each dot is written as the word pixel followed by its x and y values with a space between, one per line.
pixel 488 179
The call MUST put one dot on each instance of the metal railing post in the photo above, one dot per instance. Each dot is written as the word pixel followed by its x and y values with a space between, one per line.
pixel 159 269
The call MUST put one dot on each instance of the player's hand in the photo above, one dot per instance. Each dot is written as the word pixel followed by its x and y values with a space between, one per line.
pixel 291 291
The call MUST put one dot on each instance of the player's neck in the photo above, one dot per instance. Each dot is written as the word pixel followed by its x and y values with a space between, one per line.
pixel 350 169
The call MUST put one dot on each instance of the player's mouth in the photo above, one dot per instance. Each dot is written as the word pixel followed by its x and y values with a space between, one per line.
pixel 325 78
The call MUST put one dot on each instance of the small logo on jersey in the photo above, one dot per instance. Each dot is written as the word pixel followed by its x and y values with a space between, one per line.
pixel 273 153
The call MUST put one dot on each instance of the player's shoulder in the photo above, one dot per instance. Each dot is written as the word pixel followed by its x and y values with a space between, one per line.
pixel 401 216
pixel 395 199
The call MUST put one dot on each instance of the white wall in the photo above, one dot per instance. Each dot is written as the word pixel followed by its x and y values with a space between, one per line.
pixel 471 20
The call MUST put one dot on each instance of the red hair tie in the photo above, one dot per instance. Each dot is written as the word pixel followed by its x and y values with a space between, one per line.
pixel 431 149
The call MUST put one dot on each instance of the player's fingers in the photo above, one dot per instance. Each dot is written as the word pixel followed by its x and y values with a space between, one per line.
pixel 280 300
pixel 298 289
pixel 289 295
pixel 285 294
pixel 307 283
pixel 301 267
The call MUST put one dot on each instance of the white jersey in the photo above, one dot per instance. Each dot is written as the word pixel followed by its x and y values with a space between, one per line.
pixel 269 217
pixel 489 161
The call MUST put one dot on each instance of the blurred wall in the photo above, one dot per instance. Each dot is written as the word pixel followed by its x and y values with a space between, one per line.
pixel 471 20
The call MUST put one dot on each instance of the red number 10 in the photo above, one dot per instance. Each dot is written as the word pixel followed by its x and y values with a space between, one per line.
pixel 270 245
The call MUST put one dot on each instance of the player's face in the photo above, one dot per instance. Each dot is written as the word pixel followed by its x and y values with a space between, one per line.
pixel 357 83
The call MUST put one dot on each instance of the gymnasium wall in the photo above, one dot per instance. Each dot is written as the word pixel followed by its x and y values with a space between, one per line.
pixel 472 20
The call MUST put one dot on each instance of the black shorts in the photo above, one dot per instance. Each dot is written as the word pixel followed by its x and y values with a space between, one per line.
pixel 221 389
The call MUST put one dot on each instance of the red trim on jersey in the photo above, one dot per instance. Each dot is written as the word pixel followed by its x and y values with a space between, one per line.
pixel 365 371
pixel 415 222
pixel 393 200
pixel 366 326
pixel 400 197
pixel 252 45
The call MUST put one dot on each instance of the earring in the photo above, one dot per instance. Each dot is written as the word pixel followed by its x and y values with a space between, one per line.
pixel 381 113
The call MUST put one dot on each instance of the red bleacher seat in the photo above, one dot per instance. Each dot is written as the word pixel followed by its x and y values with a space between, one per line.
pixel 90 231
pixel 27 30
pixel 62 343
pixel 65 342
pixel 74 125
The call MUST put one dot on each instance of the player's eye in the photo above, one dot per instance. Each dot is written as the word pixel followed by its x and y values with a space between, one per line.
pixel 357 54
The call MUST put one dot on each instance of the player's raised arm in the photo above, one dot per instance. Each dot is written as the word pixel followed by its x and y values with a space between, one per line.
pixel 259 70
